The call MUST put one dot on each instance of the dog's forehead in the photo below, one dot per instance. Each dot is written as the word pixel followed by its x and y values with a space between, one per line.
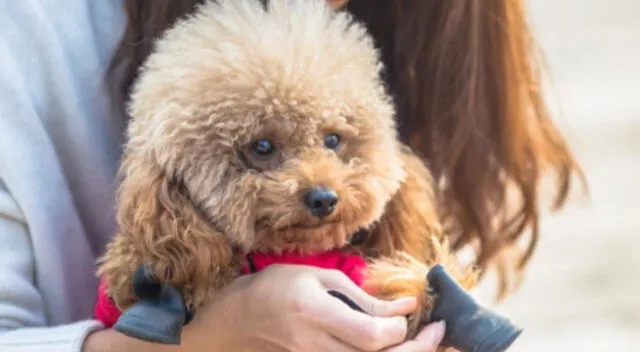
pixel 312 104
pixel 299 110
pixel 233 66
pixel 291 118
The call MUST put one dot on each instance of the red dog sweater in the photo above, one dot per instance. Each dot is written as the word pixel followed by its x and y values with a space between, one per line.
pixel 350 264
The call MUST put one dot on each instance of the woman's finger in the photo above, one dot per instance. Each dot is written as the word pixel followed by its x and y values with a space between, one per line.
pixel 427 340
pixel 362 331
pixel 338 281
pixel 330 343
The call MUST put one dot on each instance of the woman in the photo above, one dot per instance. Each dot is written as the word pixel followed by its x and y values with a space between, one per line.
pixel 466 88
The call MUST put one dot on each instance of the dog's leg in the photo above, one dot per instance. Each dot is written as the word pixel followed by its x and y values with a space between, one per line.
pixel 408 240
pixel 413 259
pixel 166 259
pixel 442 296
pixel 159 312
pixel 159 294
pixel 402 275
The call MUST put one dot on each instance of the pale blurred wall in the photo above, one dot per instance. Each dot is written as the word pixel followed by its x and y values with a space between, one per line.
pixel 582 292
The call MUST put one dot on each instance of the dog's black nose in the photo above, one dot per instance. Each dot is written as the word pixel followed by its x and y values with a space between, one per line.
pixel 321 201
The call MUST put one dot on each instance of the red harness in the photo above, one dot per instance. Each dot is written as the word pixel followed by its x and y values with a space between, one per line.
pixel 351 265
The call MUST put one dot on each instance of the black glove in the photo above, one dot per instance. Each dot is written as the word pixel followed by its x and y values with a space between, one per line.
pixel 469 327
pixel 159 313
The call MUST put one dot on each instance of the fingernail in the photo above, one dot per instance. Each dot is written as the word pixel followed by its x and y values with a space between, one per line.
pixel 439 330
pixel 405 302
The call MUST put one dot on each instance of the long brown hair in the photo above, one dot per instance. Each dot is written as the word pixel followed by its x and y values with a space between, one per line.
pixel 466 81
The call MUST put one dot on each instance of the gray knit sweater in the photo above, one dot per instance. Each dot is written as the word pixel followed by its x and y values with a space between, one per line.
pixel 59 149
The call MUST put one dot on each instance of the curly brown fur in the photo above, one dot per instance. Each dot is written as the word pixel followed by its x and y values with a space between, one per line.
pixel 408 240
pixel 196 195
pixel 159 226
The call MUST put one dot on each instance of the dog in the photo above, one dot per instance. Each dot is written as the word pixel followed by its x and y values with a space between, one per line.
pixel 268 129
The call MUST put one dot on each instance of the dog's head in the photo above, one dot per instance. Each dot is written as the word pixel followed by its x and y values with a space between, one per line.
pixel 274 123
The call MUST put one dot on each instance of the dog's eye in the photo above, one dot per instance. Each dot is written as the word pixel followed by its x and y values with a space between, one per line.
pixel 332 141
pixel 263 147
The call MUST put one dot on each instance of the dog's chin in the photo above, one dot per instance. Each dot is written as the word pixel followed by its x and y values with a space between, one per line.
pixel 309 239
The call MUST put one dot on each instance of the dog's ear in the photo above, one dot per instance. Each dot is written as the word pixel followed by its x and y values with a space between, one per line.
pixel 160 227
pixel 410 222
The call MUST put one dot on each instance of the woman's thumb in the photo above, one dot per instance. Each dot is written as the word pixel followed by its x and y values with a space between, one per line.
pixel 336 281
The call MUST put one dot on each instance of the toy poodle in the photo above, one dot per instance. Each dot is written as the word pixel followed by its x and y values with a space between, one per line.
pixel 263 134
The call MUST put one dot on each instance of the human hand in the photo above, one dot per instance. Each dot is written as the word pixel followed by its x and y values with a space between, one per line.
pixel 287 308
pixel 427 340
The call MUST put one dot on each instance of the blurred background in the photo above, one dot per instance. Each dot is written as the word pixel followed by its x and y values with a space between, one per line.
pixel 582 291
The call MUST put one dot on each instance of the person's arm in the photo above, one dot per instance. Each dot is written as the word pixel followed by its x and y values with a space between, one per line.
pixel 23 322
pixel 22 312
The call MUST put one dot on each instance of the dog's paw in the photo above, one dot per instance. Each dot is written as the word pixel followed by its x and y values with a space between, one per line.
pixel 398 277
pixel 404 276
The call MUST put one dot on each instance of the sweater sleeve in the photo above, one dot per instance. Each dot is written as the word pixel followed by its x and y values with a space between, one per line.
pixel 23 324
